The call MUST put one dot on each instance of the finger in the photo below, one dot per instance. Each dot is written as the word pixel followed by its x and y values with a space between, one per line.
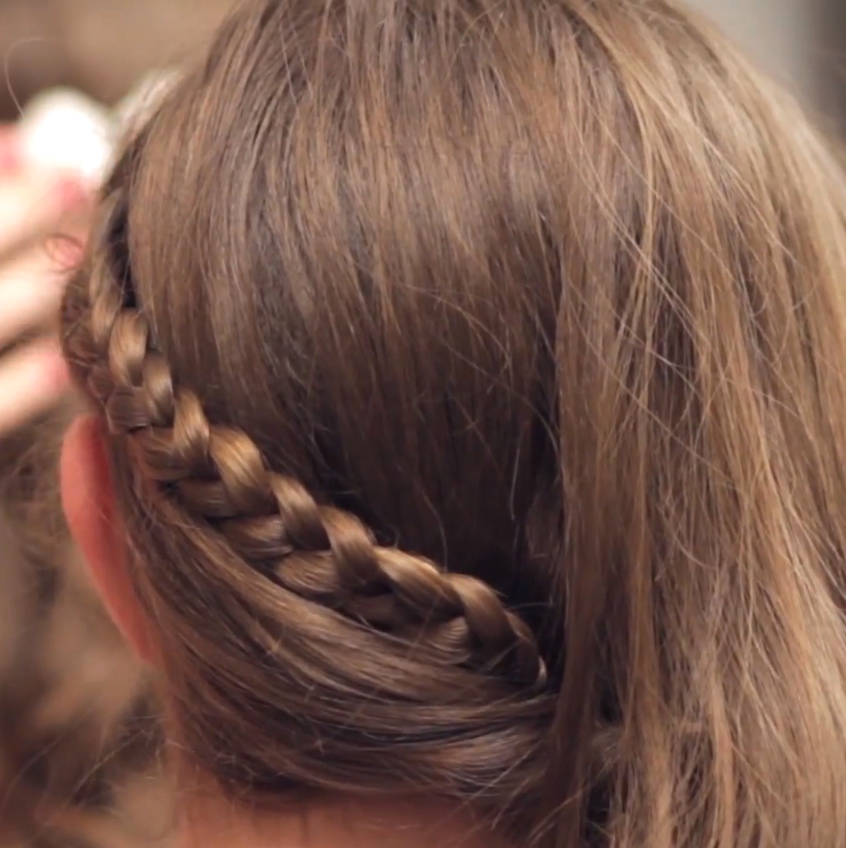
pixel 30 291
pixel 32 380
pixel 34 202
pixel 11 152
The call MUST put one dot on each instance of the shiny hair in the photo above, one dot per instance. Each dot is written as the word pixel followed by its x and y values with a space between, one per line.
pixel 474 381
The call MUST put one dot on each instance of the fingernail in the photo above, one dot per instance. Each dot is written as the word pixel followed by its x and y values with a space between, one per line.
pixel 66 252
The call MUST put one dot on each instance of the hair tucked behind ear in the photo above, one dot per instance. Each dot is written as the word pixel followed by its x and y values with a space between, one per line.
pixel 474 380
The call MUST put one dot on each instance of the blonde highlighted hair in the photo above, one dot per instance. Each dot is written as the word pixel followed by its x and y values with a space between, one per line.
pixel 474 375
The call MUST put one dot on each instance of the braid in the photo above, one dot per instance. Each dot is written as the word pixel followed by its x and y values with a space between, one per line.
pixel 218 475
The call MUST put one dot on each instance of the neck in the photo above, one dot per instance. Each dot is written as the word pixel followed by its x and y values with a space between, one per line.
pixel 213 822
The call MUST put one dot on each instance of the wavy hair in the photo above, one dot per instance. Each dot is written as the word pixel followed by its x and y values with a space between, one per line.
pixel 474 375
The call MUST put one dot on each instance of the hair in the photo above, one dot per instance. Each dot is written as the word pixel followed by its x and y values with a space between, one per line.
pixel 473 376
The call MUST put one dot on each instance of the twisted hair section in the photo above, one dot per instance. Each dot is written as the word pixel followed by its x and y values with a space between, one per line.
pixel 219 475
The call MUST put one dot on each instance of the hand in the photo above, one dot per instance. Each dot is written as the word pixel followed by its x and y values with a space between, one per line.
pixel 33 376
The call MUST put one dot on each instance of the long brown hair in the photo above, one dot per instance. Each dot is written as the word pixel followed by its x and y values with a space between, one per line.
pixel 475 379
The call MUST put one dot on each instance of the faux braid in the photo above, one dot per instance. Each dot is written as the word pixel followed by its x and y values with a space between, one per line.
pixel 218 474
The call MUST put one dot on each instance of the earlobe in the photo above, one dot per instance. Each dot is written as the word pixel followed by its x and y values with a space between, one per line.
pixel 89 504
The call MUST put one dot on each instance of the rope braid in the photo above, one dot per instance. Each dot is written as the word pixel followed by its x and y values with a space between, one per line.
pixel 218 475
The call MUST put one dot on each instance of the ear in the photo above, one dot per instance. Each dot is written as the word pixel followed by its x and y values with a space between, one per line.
pixel 89 504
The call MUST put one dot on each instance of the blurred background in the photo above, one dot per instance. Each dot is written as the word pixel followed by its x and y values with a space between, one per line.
pixel 103 46
pixel 800 42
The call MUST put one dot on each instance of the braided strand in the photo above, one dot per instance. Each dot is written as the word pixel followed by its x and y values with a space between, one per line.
pixel 219 475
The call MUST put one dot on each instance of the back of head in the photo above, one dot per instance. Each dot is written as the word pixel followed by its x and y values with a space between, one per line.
pixel 473 371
